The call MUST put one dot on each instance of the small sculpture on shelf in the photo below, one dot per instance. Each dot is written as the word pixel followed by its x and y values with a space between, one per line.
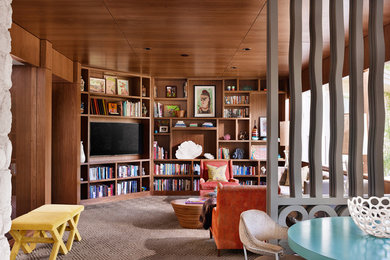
pixel 263 170
pixel 238 153
pixel 227 137
pixel 209 156
pixel 144 110
pixel 82 84
pixel 243 135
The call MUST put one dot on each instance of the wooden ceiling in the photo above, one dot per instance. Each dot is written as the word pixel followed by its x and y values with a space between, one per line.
pixel 113 34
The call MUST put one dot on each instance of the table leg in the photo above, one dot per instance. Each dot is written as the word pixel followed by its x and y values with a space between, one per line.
pixel 73 231
pixel 58 245
pixel 15 249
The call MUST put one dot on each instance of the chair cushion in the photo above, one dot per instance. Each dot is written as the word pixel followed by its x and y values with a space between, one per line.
pixel 216 173
pixel 213 184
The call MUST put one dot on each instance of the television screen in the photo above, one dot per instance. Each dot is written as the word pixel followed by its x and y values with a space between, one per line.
pixel 115 138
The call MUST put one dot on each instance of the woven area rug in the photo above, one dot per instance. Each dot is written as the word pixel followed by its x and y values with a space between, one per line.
pixel 141 228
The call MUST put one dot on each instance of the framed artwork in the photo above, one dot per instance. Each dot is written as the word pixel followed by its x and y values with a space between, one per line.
pixel 110 85
pixel 263 126
pixel 123 87
pixel 204 101
pixel 170 91
pixel 171 110
pixel 163 129
pixel 97 85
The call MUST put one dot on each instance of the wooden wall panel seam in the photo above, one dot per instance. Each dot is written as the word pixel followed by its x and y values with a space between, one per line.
pixel 315 65
pixel 295 68
pixel 356 94
pixel 337 38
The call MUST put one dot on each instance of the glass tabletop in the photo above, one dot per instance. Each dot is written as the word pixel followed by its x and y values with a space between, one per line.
pixel 335 238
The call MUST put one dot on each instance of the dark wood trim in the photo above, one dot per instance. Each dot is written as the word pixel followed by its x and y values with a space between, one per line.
pixel 295 65
pixel 315 66
pixel 356 94
pixel 376 99
pixel 337 38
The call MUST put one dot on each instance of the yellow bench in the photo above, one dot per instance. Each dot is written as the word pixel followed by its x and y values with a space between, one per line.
pixel 52 218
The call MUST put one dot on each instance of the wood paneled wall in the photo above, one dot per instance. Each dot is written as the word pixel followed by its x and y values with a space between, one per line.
pixel 31 94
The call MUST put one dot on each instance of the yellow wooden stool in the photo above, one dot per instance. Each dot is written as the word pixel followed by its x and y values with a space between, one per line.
pixel 73 211
pixel 54 219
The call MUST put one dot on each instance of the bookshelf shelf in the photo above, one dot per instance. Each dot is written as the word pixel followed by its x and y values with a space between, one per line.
pixel 170 99
pixel 194 128
pixel 103 180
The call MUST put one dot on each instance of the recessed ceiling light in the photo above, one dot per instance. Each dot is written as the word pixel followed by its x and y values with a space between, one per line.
pixel 148 49
pixel 246 49
pixel 184 55
pixel 234 67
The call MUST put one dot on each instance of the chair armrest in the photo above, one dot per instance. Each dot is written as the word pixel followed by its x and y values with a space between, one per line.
pixel 233 180
pixel 202 180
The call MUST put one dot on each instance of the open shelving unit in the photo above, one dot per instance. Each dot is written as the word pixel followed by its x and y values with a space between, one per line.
pixel 115 186
pixel 230 130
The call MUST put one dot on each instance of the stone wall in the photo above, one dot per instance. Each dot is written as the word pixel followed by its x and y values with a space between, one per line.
pixel 5 125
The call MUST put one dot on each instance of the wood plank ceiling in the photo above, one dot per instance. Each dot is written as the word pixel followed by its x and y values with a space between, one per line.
pixel 113 34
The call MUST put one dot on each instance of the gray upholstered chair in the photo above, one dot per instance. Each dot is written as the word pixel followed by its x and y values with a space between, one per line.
pixel 255 228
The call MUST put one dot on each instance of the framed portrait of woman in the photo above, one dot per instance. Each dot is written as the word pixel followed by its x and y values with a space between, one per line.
pixel 204 101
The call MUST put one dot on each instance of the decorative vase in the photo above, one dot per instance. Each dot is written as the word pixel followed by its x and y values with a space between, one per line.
pixel 82 154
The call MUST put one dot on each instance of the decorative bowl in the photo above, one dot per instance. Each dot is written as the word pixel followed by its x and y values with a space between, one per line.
pixel 371 215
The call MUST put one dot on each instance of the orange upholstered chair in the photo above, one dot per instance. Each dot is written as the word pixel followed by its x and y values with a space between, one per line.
pixel 209 186
pixel 231 202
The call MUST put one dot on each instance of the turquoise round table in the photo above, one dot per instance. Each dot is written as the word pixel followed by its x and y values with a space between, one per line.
pixel 335 238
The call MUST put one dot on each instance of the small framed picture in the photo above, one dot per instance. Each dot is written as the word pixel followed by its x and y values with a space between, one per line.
pixel 170 91
pixel 263 126
pixel 110 85
pixel 171 110
pixel 204 101
pixel 123 87
pixel 97 85
pixel 258 152
pixel 163 129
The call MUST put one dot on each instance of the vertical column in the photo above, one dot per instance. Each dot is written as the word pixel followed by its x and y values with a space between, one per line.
pixel 336 18
pixel 376 99
pixel 356 94
pixel 295 68
pixel 315 72
pixel 5 125
pixel 272 108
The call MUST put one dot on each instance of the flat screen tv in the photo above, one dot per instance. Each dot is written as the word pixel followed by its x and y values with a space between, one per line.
pixel 115 138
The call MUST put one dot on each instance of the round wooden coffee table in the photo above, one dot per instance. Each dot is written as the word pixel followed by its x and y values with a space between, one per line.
pixel 187 214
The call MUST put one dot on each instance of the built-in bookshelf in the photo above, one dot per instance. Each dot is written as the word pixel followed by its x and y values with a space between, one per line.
pixel 237 104
pixel 115 177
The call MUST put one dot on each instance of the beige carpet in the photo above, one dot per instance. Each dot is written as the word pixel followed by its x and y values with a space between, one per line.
pixel 142 228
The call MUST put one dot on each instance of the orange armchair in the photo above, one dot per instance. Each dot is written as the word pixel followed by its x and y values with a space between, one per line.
pixel 209 186
pixel 231 202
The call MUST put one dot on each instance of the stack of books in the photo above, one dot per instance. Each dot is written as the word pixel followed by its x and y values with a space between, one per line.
pixel 207 124
pixel 193 125
pixel 180 124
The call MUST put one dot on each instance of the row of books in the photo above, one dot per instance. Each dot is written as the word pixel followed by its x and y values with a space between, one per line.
pixel 196 185
pixel 171 169
pixel 248 182
pixel 236 112
pixel 158 152
pixel 125 108
pixel 158 109
pixel 236 100
pixel 126 187
pixel 101 173
pixel 223 153
pixel 100 191
pixel 244 170
pixel 128 171
pixel 172 184
pixel 131 109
